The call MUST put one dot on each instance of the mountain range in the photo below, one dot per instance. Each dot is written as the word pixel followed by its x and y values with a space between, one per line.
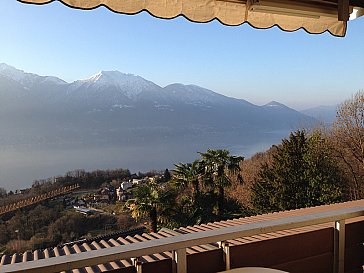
pixel 111 102
pixel 323 113
pixel 113 109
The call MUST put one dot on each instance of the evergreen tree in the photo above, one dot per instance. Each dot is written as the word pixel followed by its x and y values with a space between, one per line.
pixel 302 173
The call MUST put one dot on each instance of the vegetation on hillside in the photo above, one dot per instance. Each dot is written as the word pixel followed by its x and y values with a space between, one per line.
pixel 86 180
pixel 194 195
pixel 50 224
pixel 347 139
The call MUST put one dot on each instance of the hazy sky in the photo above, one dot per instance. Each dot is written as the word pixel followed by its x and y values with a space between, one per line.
pixel 298 69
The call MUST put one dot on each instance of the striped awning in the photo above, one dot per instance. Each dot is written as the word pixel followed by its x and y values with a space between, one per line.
pixel 314 16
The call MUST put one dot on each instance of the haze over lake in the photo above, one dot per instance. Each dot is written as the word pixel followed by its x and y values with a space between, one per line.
pixel 118 120
pixel 21 166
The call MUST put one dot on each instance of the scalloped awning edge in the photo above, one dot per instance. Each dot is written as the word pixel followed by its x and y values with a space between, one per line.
pixel 231 13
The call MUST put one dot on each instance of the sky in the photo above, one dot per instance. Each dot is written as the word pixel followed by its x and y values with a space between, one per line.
pixel 296 68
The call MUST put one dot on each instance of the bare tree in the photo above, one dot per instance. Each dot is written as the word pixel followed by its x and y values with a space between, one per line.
pixel 348 140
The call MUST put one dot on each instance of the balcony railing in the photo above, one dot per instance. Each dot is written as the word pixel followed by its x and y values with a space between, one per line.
pixel 178 244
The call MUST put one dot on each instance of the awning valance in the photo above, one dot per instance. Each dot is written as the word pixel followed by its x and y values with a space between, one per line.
pixel 314 16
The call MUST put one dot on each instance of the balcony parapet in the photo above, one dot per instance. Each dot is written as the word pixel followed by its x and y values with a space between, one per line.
pixel 178 244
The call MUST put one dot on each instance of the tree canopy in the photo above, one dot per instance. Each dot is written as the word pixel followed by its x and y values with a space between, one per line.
pixel 152 201
pixel 219 166
pixel 348 142
pixel 302 173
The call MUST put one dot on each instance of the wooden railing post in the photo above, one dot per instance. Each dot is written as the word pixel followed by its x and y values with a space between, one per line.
pixel 179 261
pixel 339 246
pixel 137 264
pixel 224 245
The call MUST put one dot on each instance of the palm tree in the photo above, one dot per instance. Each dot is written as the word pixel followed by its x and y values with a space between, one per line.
pixel 151 201
pixel 186 174
pixel 219 166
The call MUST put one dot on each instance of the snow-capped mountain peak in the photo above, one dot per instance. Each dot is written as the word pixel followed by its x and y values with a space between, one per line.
pixel 117 77
pixel 275 104
pixel 13 73
pixel 128 84
pixel 26 79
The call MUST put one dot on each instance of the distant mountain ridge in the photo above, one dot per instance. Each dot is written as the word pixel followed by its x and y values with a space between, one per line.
pixel 26 79
pixel 126 86
pixel 323 113
pixel 111 101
